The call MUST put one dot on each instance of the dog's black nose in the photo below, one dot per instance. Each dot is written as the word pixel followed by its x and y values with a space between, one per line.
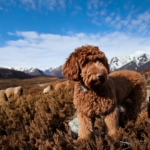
pixel 100 75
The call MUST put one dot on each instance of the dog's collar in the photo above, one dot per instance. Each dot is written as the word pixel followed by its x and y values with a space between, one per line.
pixel 83 88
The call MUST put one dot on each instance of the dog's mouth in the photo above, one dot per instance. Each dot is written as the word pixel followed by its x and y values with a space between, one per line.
pixel 98 82
pixel 94 84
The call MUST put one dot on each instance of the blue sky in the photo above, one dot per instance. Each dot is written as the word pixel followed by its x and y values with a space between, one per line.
pixel 42 33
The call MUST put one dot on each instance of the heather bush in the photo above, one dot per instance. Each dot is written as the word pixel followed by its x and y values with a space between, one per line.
pixel 37 121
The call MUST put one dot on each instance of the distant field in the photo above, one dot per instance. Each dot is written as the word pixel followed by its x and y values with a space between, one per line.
pixel 29 85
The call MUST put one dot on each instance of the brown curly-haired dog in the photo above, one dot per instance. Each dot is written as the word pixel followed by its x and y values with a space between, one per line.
pixel 98 94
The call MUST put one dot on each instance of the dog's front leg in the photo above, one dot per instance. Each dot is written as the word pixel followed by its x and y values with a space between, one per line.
pixel 111 121
pixel 85 130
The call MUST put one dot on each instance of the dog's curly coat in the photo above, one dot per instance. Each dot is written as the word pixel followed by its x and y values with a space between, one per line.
pixel 98 94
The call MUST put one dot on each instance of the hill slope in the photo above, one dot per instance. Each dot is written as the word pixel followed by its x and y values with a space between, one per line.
pixel 7 73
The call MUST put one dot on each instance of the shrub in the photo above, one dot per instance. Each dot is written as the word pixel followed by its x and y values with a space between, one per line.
pixel 40 122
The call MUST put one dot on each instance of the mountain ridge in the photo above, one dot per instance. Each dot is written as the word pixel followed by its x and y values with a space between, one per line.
pixel 134 61
pixel 8 73
pixel 137 61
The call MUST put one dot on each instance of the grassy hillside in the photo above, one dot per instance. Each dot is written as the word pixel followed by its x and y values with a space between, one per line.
pixel 37 121
pixel 29 85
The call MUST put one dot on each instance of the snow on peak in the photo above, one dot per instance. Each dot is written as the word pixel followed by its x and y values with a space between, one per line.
pixel 138 53
pixel 139 57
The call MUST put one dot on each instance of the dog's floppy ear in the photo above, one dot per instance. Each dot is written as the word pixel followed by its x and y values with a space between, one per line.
pixel 71 68
pixel 105 61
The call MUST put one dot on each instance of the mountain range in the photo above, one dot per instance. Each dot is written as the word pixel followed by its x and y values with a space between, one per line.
pixel 138 61
pixel 8 73
pixel 35 71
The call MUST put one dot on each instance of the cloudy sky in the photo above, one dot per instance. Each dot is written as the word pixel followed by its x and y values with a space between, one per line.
pixel 42 33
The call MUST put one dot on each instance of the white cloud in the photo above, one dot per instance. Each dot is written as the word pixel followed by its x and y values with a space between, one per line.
pixel 136 22
pixel 140 23
pixel 29 3
pixel 53 4
pixel 93 4
pixel 143 27
pixel 93 14
pixel 132 20
pixel 62 3
pixel 96 22
pixel 101 3
pixel 77 10
pixel 112 14
pixel 48 50
pixel 145 16
pixel 103 12
pixel 117 18
pixel 28 35
pixel 108 19
pixel 36 4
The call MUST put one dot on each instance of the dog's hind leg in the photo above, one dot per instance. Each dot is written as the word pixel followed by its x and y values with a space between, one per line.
pixel 137 103
pixel 85 130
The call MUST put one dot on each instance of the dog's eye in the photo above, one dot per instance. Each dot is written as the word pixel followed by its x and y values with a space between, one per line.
pixel 85 62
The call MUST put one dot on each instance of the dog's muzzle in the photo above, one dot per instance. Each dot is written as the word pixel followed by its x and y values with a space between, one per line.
pixel 101 76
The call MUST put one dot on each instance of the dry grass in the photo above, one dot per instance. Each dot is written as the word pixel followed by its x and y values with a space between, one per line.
pixel 30 86
pixel 5 83
pixel 39 121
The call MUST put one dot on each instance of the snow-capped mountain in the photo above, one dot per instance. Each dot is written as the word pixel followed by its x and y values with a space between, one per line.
pixel 48 71
pixel 6 73
pixel 132 62
pixel 56 71
pixel 138 61
pixel 31 71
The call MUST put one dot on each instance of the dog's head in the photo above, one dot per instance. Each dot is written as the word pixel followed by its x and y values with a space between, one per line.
pixel 87 64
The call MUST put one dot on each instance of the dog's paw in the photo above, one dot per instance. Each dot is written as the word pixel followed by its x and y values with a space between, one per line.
pixel 117 135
